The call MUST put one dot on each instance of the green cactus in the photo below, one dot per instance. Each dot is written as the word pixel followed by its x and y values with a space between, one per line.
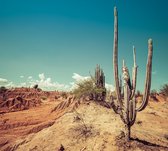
pixel 126 104
pixel 100 90
pixel 99 77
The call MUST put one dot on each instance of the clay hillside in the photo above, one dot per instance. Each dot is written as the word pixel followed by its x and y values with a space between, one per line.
pixel 32 119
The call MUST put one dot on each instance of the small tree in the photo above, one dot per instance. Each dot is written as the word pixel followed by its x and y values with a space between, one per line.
pixel 35 86
pixel 84 87
pixel 2 89
pixel 88 88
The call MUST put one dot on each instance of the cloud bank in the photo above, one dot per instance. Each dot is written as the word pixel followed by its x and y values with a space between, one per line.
pixel 79 78
pixel 46 83
pixel 3 81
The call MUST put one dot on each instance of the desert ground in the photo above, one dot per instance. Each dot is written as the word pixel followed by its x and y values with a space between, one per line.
pixel 58 122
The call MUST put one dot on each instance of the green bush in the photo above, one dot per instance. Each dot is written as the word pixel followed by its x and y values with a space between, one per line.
pixel 153 94
pixel 164 90
pixel 3 89
pixel 35 86
pixel 86 88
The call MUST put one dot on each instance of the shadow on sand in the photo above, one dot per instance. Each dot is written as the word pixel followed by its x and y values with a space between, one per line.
pixel 148 143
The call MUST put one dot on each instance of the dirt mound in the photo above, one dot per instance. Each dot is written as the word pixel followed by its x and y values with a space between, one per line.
pixel 15 125
pixel 92 127
pixel 19 99
pixel 23 98
pixel 158 97
pixel 71 101
pixel 79 124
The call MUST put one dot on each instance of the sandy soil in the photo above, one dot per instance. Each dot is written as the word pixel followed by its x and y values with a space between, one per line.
pixel 90 127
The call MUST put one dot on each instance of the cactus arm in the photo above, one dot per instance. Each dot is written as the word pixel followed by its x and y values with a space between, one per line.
pixel 134 74
pixel 148 77
pixel 115 57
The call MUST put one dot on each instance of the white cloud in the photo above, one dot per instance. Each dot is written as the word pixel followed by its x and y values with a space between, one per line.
pixel 30 77
pixel 6 83
pixel 109 87
pixel 41 76
pixel 78 77
pixel 72 86
pixel 9 85
pixel 21 76
pixel 23 84
pixel 46 83
pixel 3 81
pixel 43 82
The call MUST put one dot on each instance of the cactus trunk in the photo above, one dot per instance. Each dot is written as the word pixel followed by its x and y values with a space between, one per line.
pixel 127 132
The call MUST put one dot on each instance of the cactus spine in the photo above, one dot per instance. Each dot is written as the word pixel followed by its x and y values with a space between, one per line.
pixel 126 105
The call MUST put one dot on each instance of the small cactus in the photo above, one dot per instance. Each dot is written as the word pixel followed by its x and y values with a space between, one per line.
pixel 126 104
pixel 100 90
pixel 99 77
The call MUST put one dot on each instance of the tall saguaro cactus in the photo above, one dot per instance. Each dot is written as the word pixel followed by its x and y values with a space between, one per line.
pixel 126 104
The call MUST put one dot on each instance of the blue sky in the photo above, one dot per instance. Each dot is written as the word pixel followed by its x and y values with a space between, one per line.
pixel 63 37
